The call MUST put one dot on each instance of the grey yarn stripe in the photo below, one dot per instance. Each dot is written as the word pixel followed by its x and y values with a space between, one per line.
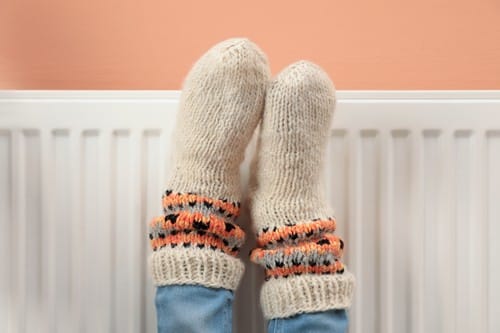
pixel 232 241
pixel 199 208
pixel 296 258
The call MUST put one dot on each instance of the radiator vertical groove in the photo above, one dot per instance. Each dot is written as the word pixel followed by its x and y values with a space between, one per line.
pixel 463 248
pixel 354 243
pixel 448 236
pixel 120 225
pixel 417 236
pixel 371 231
pixel 48 251
pixel 62 231
pixel 136 234
pixel 19 209
pixel 33 266
pixel 152 188
pixel 89 218
pixel 402 231
pixel 75 158
pixel 139 150
pixel 477 272
pixel 432 230
pixel 6 314
pixel 106 195
pixel 336 180
pixel 386 251
pixel 493 227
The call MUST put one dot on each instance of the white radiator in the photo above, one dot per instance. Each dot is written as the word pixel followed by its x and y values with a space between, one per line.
pixel 414 178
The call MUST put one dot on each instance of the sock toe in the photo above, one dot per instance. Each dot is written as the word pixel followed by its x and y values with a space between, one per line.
pixel 221 103
pixel 294 131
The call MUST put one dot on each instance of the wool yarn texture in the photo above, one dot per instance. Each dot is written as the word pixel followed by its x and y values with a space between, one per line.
pixel 197 241
pixel 294 225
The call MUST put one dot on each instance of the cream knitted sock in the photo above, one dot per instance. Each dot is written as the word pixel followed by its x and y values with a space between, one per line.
pixel 197 241
pixel 294 224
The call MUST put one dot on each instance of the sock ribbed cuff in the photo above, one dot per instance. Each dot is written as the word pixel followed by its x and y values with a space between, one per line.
pixel 196 266
pixel 281 298
pixel 196 242
pixel 303 271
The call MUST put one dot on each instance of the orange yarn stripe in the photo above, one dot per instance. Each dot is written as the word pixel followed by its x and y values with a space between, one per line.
pixel 194 239
pixel 185 220
pixel 258 254
pixel 286 231
pixel 177 199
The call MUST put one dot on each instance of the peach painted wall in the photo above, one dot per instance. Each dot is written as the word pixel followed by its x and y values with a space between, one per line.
pixel 363 44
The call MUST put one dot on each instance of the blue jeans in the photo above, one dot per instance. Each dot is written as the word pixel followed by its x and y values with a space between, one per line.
pixel 199 309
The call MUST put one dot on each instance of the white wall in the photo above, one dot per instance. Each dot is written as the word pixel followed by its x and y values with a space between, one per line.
pixel 414 178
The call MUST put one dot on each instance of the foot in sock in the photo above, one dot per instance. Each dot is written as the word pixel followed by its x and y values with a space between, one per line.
pixel 197 240
pixel 295 226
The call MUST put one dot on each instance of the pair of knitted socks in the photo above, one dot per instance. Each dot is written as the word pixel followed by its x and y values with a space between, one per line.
pixel 196 241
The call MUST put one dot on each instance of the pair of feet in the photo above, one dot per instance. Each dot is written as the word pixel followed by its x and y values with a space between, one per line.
pixel 225 96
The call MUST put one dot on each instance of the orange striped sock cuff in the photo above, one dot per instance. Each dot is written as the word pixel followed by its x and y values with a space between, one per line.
pixel 304 248
pixel 196 241
pixel 195 221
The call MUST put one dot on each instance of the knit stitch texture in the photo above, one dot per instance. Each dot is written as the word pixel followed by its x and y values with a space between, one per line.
pixel 295 226
pixel 197 241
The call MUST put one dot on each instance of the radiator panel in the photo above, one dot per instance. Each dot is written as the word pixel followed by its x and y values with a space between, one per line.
pixel 414 179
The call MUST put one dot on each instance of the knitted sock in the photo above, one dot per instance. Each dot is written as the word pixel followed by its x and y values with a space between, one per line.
pixel 197 240
pixel 294 224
